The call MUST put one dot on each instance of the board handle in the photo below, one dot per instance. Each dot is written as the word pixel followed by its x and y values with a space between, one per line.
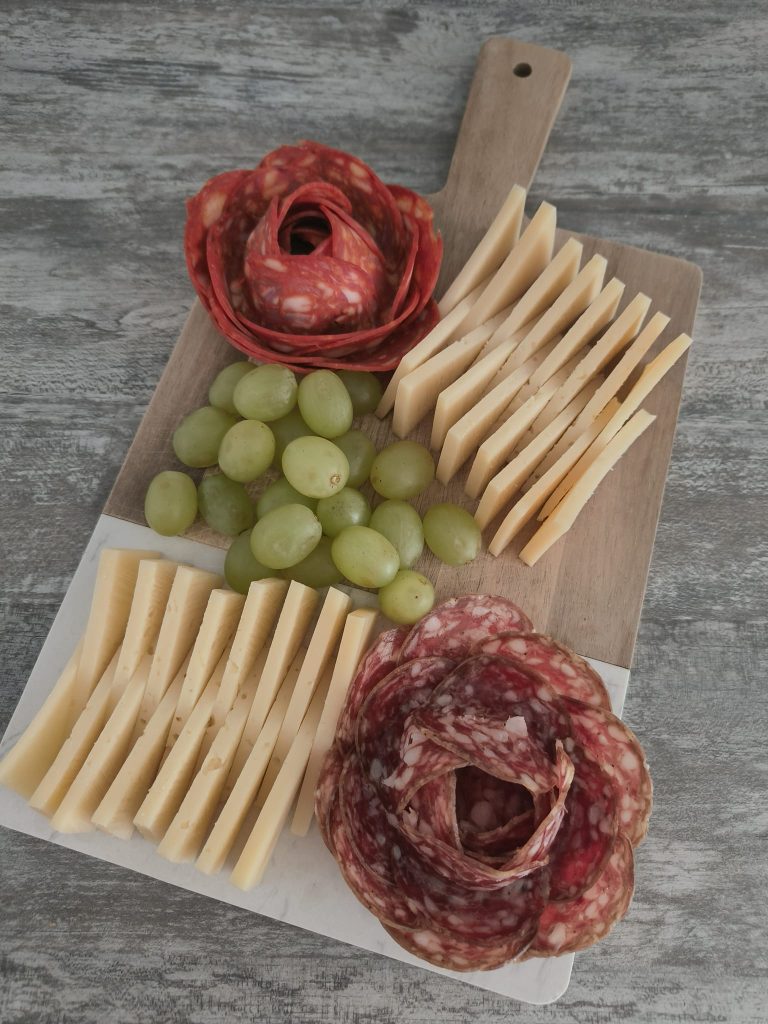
pixel 515 96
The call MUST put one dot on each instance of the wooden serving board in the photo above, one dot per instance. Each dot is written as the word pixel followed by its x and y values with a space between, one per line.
pixel 588 589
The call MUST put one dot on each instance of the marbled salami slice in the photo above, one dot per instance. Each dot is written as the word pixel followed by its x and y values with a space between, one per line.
pixel 380 660
pixel 432 810
pixel 452 952
pixel 368 825
pixel 422 761
pixel 326 791
pixel 457 626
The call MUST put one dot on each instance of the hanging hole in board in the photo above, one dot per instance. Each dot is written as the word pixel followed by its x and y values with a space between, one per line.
pixel 522 70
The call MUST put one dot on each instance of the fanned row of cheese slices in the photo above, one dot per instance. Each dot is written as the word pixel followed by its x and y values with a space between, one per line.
pixel 192 714
pixel 534 377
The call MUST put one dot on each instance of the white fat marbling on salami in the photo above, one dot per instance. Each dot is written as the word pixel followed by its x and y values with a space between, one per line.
pixel 456 627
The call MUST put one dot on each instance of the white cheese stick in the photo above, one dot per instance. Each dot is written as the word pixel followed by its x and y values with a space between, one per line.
pixel 564 516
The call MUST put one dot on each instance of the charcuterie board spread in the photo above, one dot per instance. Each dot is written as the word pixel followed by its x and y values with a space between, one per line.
pixel 343 423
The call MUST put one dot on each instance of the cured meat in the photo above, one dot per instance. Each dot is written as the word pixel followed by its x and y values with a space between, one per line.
pixel 474 805
pixel 310 259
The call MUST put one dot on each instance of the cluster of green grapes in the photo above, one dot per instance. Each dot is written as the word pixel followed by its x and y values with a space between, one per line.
pixel 312 523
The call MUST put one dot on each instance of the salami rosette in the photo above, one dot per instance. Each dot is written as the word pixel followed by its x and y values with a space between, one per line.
pixel 311 260
pixel 481 799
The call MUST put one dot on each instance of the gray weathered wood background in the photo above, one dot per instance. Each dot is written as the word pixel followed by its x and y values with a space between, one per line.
pixel 110 114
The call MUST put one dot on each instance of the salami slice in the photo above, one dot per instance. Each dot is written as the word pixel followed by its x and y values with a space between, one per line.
pixel 452 952
pixel 368 825
pixel 422 761
pixel 456 627
pixel 565 671
pixel 432 810
pixel 485 803
pixel 326 791
pixel 380 660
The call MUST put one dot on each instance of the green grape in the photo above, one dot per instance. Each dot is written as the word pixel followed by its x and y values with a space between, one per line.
pixel 266 393
pixel 247 450
pixel 407 598
pixel 221 392
pixel 364 390
pixel 315 467
pixel 197 438
pixel 365 557
pixel 402 470
pixel 285 536
pixel 287 429
pixel 360 453
pixel 400 523
pixel 347 508
pixel 240 567
pixel 281 493
pixel 452 534
pixel 325 404
pixel 317 569
pixel 224 505
pixel 170 504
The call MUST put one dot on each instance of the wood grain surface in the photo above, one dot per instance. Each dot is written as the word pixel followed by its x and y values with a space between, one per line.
pixel 110 113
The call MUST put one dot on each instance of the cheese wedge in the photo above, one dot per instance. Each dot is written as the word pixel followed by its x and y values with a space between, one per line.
pixel 526 507
pixel 490 251
pixel 23 767
pixel 103 762
pixel 418 391
pixel 122 800
pixel 235 810
pixel 325 637
pixel 252 863
pixel 518 271
pixel 358 631
pixel 649 378
pixel 564 516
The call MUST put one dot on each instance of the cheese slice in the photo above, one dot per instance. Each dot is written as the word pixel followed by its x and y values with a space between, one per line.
pixel 77 746
pixel 490 251
pixel 291 626
pixel 418 391
pixel 122 800
pixel 235 810
pixel 107 754
pixel 23 767
pixel 441 334
pixel 167 791
pixel 258 849
pixel 219 623
pixel 623 329
pixel 649 378
pixel 564 516
pixel 355 641
pixel 518 271
pixel 183 614
pixel 525 508
pixel 502 487
pixel 108 617
pixel 610 386
pixel 326 635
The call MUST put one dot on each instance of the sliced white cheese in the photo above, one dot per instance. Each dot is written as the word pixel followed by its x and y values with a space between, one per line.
pixel 355 641
pixel 490 251
pixel 325 637
pixel 527 505
pixel 564 516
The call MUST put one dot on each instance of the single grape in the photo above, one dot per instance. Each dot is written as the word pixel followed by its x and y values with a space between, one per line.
pixel 285 536
pixel 364 390
pixel 170 504
pixel 240 567
pixel 281 493
pixel 407 598
pixel 365 557
pixel 452 534
pixel 315 466
pixel 317 569
pixel 247 450
pixel 197 438
pixel 347 508
pixel 224 505
pixel 287 429
pixel 360 453
pixel 266 393
pixel 402 470
pixel 400 523
pixel 325 404
pixel 221 392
